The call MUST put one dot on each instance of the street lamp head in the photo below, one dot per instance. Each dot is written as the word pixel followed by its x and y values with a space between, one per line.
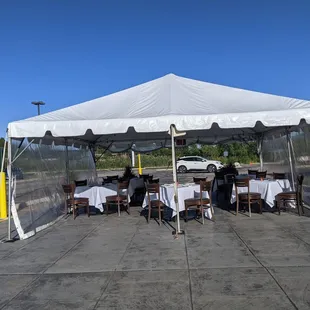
pixel 38 103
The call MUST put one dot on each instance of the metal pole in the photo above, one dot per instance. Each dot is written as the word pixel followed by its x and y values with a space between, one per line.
pixel 290 159
pixel 9 170
pixel 67 162
pixel 139 164
pixel 3 155
pixel 175 180
pixel 132 158
pixel 260 151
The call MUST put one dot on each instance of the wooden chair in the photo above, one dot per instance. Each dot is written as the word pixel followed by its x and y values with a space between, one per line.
pixel 153 181
pixel 75 203
pixel 292 196
pixel 200 203
pixel 146 177
pixel 252 172
pixel 279 176
pixel 154 188
pixel 197 180
pixel 80 183
pixel 246 197
pixel 121 198
pixel 261 174
pixel 110 179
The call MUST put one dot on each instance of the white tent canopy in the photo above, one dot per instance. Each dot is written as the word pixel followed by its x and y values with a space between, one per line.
pixel 146 111
pixel 150 111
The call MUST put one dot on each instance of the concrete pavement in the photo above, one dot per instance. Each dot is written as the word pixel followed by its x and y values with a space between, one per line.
pixel 123 262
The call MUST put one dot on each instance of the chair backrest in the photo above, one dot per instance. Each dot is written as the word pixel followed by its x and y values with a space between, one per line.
pixel 205 186
pixel 110 179
pixel 279 176
pixel 153 181
pixel 197 180
pixel 69 190
pixel 252 172
pixel 146 177
pixel 244 182
pixel 121 185
pixel 80 183
pixel 261 174
pixel 219 175
pixel 229 178
pixel 152 188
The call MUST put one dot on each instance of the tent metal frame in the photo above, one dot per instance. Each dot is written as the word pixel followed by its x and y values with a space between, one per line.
pixel 173 133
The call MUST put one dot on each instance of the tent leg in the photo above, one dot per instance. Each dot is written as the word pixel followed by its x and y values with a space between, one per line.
pixel 9 170
pixel 67 163
pixel 175 182
pixel 3 155
pixel 132 158
pixel 260 151
pixel 289 147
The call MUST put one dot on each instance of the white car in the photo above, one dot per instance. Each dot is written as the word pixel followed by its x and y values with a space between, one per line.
pixel 197 163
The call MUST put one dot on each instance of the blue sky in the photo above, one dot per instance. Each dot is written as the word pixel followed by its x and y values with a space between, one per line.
pixel 66 52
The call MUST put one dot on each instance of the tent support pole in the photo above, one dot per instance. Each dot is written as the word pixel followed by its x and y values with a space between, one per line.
pixel 260 139
pixel 92 149
pixel 175 182
pixel 9 170
pixel 290 158
pixel 132 158
pixel 3 155
pixel 67 162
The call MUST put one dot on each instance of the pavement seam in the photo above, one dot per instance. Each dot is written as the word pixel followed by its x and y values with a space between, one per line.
pixel 42 272
pixel 189 274
pixel 266 268
pixel 114 271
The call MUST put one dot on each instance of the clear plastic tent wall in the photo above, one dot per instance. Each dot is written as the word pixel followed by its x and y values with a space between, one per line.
pixel 301 156
pixel 38 175
pixel 276 155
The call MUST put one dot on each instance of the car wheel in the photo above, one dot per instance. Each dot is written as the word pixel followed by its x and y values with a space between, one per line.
pixel 182 169
pixel 211 168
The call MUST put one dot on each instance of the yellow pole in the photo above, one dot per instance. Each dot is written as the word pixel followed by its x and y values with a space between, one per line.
pixel 3 207
pixel 139 164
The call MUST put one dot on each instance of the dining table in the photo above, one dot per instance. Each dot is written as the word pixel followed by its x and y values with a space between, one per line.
pixel 97 194
pixel 185 191
pixel 268 188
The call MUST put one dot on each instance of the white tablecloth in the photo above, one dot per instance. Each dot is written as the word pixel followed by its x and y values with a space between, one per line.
pixel 267 188
pixel 167 195
pixel 133 184
pixel 96 194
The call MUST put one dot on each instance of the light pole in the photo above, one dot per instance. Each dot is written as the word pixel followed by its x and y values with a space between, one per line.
pixel 38 104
